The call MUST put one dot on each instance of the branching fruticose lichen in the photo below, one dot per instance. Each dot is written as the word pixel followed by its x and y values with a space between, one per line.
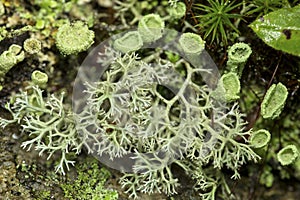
pixel 151 112
pixel 128 113
pixel 49 125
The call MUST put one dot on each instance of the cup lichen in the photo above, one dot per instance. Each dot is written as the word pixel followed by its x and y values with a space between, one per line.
pixel 32 45
pixel 274 101
pixel 10 58
pixel 191 43
pixel 73 38
pixel 177 11
pixel 260 138
pixel 150 27
pixel 238 55
pixel 129 42
pixel 288 155
pixel 39 78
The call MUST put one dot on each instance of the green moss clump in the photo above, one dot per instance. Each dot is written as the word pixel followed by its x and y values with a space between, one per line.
pixel 89 183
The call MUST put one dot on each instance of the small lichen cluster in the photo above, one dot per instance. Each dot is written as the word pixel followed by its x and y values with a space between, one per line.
pixel 10 58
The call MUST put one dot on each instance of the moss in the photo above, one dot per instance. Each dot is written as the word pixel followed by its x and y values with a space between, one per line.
pixel 10 187
pixel 89 183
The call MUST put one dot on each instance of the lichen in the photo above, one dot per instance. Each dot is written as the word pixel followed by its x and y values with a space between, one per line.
pixel 10 58
pixel 72 38
pixel 274 100
pixel 32 46
pixel 288 155
pixel 260 138
pixel 150 27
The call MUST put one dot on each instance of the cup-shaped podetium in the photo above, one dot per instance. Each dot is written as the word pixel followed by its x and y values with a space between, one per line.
pixel 39 78
pixel 72 38
pixel 151 27
pixel 238 55
pixel 260 138
pixel 228 88
pixel 288 155
pixel 177 11
pixel 274 101
pixel 191 43
pixel 10 58
pixel 129 42
pixel 2 9
pixel 32 45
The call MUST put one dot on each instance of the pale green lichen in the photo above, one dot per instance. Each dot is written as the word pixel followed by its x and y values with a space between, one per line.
pixel 274 101
pixel 191 43
pixel 228 88
pixel 150 27
pixel 238 55
pixel 288 155
pixel 74 38
pixel 10 58
pixel 48 123
pixel 129 42
pixel 126 111
pixel 260 138
pixel 2 9
pixel 178 10
pixel 39 78
pixel 32 46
